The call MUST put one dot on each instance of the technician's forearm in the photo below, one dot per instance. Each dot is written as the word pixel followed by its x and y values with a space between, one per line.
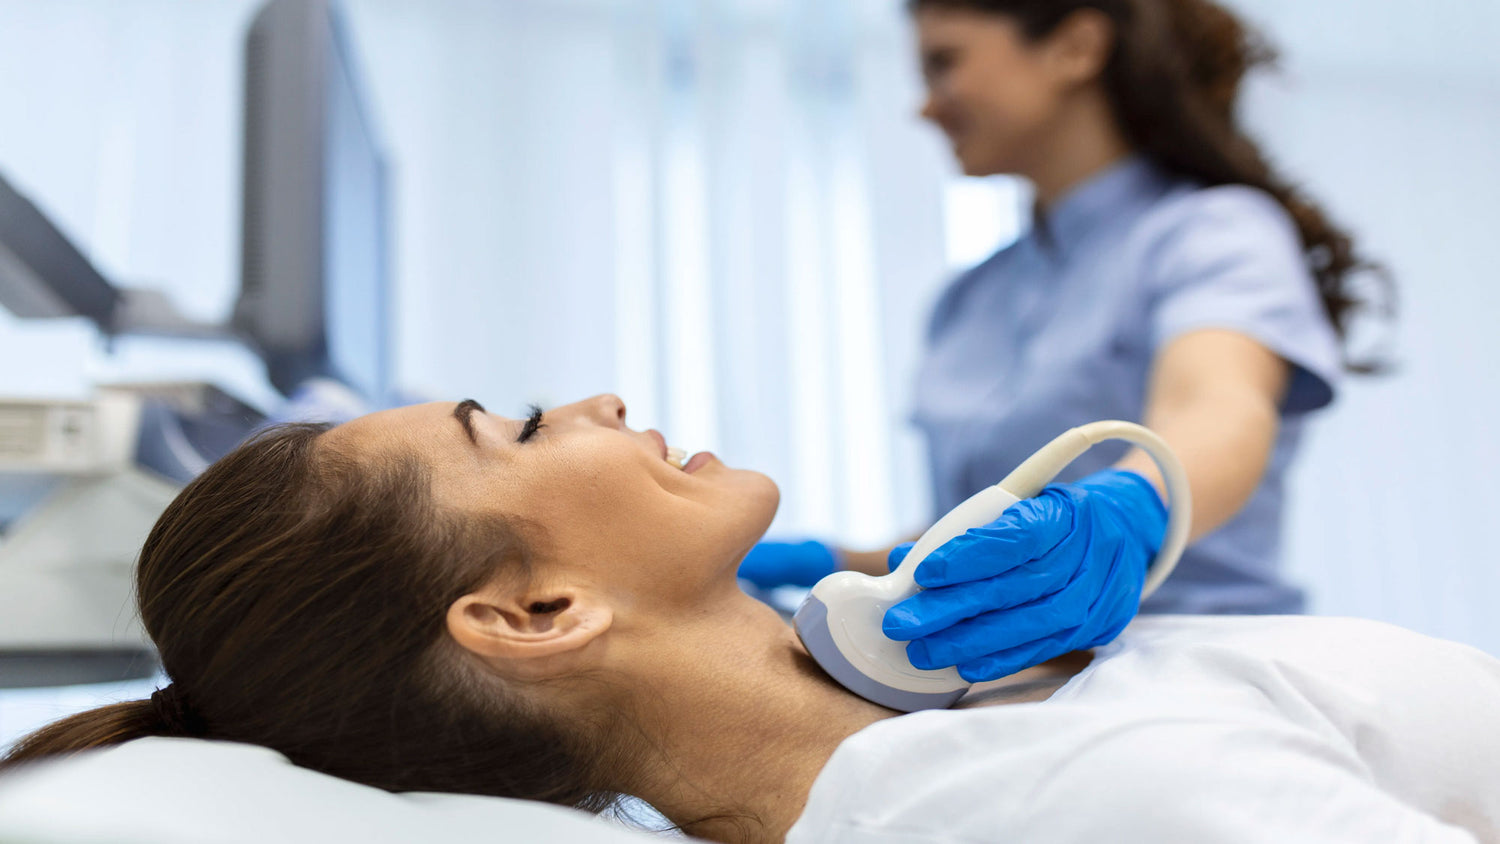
pixel 1224 435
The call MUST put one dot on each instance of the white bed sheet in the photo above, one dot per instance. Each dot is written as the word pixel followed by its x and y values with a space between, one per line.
pixel 176 791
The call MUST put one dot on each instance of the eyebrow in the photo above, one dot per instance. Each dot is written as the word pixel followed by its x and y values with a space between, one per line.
pixel 464 413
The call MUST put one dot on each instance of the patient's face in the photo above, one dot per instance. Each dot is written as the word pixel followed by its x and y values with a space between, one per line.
pixel 614 509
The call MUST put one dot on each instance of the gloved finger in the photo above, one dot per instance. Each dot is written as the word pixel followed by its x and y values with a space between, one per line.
pixel 936 609
pixel 897 554
pixel 1013 660
pixel 972 639
pixel 1027 530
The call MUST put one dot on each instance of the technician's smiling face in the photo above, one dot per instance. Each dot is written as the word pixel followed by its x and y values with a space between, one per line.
pixel 614 509
pixel 996 94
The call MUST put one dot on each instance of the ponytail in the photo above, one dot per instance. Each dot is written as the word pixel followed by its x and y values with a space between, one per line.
pixel 103 727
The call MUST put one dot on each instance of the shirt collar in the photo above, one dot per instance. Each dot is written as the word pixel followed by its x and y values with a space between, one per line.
pixel 1099 198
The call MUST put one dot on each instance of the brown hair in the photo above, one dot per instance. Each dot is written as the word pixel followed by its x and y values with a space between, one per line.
pixel 1174 81
pixel 297 597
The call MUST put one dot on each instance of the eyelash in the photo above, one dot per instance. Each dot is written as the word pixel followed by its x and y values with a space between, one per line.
pixel 533 424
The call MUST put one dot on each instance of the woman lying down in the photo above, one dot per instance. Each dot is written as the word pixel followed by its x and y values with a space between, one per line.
pixel 437 598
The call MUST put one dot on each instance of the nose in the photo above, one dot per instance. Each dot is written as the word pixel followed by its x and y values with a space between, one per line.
pixel 607 410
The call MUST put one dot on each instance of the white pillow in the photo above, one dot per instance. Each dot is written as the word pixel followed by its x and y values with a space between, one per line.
pixel 171 790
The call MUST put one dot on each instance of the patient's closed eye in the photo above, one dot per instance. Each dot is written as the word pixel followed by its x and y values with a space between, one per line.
pixel 533 424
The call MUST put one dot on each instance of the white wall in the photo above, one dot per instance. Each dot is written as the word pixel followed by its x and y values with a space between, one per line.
pixel 121 120
pixel 722 211
pixel 1391 111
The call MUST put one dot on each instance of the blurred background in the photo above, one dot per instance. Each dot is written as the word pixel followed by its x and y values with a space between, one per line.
pixel 727 212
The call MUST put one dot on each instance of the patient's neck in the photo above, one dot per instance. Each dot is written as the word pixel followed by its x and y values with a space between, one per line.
pixel 743 720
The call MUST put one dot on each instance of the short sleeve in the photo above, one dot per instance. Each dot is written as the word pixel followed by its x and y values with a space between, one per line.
pixel 1230 258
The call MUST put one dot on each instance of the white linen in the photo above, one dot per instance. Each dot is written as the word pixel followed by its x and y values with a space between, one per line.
pixel 190 791
pixel 1251 729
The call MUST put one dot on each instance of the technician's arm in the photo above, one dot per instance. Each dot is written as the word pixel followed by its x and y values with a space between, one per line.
pixel 1213 397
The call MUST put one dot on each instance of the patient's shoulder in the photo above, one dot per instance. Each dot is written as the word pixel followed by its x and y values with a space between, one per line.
pixel 1350 650
pixel 1043 771
pixel 1203 777
pixel 1070 772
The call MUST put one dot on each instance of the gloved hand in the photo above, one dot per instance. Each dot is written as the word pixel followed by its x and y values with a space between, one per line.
pixel 772 564
pixel 1056 573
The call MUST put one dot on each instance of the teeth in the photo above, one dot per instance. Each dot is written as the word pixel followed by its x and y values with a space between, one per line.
pixel 675 456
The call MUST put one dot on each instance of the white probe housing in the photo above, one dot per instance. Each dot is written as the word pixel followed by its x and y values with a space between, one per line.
pixel 840 622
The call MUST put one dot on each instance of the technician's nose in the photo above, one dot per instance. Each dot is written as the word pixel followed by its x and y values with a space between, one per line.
pixel 929 109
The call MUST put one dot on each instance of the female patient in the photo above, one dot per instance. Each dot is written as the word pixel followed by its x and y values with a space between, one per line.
pixel 437 598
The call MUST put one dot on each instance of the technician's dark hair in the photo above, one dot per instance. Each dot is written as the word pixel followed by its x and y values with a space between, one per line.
pixel 1174 80
pixel 297 597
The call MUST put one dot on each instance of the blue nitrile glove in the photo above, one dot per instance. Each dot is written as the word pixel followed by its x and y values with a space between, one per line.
pixel 1056 573
pixel 772 564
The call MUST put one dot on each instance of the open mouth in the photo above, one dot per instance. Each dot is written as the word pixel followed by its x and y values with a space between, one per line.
pixel 671 454
pixel 678 458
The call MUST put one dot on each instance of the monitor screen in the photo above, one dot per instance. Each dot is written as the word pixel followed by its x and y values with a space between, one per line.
pixel 315 290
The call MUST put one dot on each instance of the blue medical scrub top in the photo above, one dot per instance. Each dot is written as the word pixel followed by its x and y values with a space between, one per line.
pixel 1061 328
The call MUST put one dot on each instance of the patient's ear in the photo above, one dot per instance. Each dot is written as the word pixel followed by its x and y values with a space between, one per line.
pixel 533 632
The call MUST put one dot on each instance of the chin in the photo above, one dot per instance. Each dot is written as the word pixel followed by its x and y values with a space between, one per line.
pixel 974 163
pixel 767 495
pixel 977 168
pixel 760 498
